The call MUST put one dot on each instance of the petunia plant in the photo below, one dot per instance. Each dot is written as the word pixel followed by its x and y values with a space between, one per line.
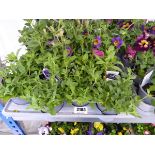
pixel 67 60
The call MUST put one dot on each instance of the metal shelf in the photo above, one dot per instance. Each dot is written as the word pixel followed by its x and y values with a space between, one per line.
pixel 21 112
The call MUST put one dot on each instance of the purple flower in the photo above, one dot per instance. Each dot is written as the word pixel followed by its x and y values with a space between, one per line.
pixel 117 41
pixel 99 133
pixel 46 73
pixel 125 24
pixel 152 30
pixel 143 27
pixel 142 43
pixel 130 53
pixel 85 32
pixel 69 51
pixel 89 132
pixel 98 53
pixel 97 42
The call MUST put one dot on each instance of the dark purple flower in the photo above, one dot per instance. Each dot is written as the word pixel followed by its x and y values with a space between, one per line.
pixel 99 133
pixel 97 42
pixel 126 24
pixel 142 44
pixel 152 42
pixel 85 32
pixel 152 30
pixel 46 73
pixel 69 51
pixel 117 41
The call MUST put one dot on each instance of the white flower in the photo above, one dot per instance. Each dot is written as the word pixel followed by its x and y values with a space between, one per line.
pixel 33 23
pixel 43 131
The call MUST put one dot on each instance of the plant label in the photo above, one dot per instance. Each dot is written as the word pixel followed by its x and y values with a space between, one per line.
pixel 111 75
pixel 80 110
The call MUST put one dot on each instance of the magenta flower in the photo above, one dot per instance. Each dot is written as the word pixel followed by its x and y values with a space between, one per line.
pixel 69 51
pixel 130 52
pixel 97 42
pixel 98 53
pixel 117 41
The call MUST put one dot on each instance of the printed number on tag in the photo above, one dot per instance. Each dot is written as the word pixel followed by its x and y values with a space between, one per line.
pixel 80 110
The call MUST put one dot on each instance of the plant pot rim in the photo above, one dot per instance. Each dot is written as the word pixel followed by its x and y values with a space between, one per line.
pixel 77 105
pixel 112 112
pixel 141 87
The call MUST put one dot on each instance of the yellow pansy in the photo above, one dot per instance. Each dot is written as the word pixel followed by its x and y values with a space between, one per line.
pixel 74 131
pixel 61 130
pixel 98 126
pixel 119 133
pixel 124 128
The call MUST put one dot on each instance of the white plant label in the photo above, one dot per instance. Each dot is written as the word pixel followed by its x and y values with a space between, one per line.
pixel 112 73
pixel 80 110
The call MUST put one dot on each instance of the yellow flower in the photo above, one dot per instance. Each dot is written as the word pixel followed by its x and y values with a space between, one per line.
pixel 61 130
pixel 74 131
pixel 124 128
pixel 75 123
pixel 98 126
pixel 119 133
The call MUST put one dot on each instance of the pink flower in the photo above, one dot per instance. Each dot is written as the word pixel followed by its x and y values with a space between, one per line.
pixel 146 132
pixel 131 53
pixel 98 53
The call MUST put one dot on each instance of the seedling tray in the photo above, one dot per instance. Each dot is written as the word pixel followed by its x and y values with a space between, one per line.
pixel 69 113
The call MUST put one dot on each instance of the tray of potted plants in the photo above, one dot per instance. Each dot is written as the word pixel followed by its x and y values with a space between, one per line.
pixel 73 69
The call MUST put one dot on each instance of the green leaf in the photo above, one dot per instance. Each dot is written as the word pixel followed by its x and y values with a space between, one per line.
pixel 152 88
pixel 33 44
pixel 85 57
pixel 116 68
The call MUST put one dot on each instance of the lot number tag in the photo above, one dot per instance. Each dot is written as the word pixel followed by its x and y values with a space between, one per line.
pixel 80 110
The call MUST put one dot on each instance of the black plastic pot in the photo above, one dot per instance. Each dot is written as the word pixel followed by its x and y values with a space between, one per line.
pixel 77 105
pixel 19 101
pixel 146 105
pixel 104 111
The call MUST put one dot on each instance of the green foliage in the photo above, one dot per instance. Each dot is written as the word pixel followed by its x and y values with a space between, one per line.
pixel 82 76
pixel 144 61
pixel 141 129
